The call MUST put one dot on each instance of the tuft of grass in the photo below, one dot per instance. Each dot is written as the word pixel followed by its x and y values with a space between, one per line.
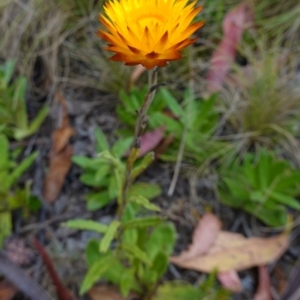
pixel 262 102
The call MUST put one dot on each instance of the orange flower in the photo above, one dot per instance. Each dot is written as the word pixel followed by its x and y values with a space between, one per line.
pixel 148 32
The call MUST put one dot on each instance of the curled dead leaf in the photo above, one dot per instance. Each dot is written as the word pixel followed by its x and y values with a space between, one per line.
pixel 237 255
pixel 204 237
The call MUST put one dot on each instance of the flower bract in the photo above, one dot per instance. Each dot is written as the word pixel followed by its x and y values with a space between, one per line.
pixel 148 32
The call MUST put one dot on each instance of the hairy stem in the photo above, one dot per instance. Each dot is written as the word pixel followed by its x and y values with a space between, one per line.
pixel 141 123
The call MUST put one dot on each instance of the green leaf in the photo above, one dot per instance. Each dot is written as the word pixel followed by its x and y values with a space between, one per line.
pixel 83 224
pixel 89 178
pixel 109 236
pixel 5 226
pixel 144 164
pixel 20 134
pixel 178 291
pixel 162 238
pixel 127 282
pixel 121 146
pixel 4 152
pixel 272 217
pixel 172 103
pixel 130 236
pixel 144 202
pixel 129 213
pixel 160 264
pixel 237 187
pixel 285 199
pixel 113 187
pixel 95 272
pixel 144 189
pixel 101 141
pixel 102 172
pixel 263 166
pixel 137 253
pixel 97 200
pixel 21 168
pixel 85 162
pixel 8 68
pixel 92 253
pixel 19 105
pixel 142 222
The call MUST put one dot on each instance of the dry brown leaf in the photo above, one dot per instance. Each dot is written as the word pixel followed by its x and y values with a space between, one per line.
pixel 60 155
pixel 238 254
pixel 230 280
pixel 264 285
pixel 7 290
pixel 204 237
pixel 108 292
pixel 60 164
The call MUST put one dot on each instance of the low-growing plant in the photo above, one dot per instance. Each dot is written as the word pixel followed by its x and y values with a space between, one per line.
pixel 13 112
pixel 263 186
pixel 197 118
pixel 99 173
pixel 11 197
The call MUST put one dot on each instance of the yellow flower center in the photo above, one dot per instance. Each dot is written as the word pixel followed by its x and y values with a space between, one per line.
pixel 150 18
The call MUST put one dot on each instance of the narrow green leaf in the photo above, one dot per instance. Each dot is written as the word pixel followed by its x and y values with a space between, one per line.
pixel 21 168
pixel 5 226
pixel 137 253
pixel 285 199
pixel 144 202
pixel 161 239
pixel 4 152
pixel 92 253
pixel 145 189
pixel 172 102
pixel 142 222
pixel 109 236
pixel 101 141
pixel 97 200
pixel 83 224
pixel 121 146
pixel 126 282
pixel 95 272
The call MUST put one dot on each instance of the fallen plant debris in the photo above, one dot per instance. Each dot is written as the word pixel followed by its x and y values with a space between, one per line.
pixel 108 292
pixel 230 251
pixel 264 285
pixel 62 292
pixel 18 277
pixel 60 155
pixel 7 290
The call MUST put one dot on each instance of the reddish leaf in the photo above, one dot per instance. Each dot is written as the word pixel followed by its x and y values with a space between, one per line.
pixel 151 139
pixel 62 292
pixel 264 285
pixel 230 280
pixel 204 237
pixel 233 26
